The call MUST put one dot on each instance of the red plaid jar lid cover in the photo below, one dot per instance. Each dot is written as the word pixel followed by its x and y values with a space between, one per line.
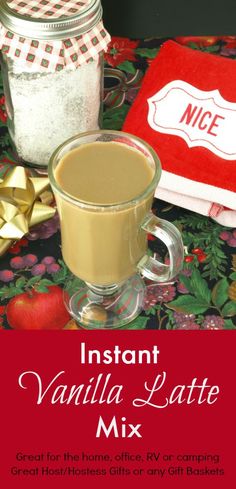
pixel 62 17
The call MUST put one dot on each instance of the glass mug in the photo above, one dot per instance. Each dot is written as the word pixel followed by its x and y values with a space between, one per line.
pixel 104 243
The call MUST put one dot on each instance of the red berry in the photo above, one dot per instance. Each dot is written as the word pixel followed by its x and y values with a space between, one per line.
pixel 225 235
pixel 17 262
pixel 3 116
pixel 38 269
pixel 232 242
pixel 201 257
pixel 150 237
pixel 48 260
pixel 53 268
pixel 197 251
pixel 24 242
pixel 189 258
pixel 14 249
pixel 6 275
pixel 30 260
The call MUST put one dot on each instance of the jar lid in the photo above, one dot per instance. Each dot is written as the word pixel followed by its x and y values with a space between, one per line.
pixel 73 35
pixel 50 19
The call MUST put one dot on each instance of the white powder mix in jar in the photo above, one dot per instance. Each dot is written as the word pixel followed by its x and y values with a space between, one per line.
pixel 49 108
pixel 52 66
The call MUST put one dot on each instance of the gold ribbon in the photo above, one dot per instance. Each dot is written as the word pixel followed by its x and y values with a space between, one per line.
pixel 24 202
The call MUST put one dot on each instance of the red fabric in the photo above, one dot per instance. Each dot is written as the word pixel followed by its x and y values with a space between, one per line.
pixel 205 72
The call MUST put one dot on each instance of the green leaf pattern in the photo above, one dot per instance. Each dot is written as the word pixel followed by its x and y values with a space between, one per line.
pixel 203 296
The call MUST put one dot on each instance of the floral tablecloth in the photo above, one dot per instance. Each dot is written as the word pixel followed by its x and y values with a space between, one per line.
pixel 203 296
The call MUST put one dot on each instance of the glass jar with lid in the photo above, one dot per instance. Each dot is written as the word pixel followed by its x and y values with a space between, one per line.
pixel 52 68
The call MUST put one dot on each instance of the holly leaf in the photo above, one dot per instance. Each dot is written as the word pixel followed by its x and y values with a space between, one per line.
pixel 219 252
pixel 61 275
pixel 128 67
pixel 212 49
pixel 200 287
pixel 9 292
pixel 188 304
pixel 34 280
pixel 186 281
pixel 42 288
pixel 147 52
pixel 219 293
pixel 228 324
pixel 73 284
pixel 114 118
pixel 20 282
pixel 138 323
pixel 44 282
pixel 169 325
pixel 193 45
pixel 3 291
pixel 229 309
pixel 151 311
pixel 14 292
pixel 233 276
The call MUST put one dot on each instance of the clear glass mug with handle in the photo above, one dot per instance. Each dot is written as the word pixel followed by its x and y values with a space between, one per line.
pixel 104 225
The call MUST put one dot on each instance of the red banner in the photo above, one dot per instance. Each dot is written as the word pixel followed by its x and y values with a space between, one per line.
pixel 117 408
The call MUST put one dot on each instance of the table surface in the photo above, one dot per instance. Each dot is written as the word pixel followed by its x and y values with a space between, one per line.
pixel 203 296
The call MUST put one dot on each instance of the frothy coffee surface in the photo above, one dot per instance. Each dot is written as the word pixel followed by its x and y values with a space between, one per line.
pixel 104 173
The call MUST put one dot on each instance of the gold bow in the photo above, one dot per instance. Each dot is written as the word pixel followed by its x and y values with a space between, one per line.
pixel 23 203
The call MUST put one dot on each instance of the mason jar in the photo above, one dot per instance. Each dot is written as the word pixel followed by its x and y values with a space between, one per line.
pixel 52 68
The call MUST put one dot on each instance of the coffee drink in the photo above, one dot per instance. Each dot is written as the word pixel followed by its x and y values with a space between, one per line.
pixel 104 202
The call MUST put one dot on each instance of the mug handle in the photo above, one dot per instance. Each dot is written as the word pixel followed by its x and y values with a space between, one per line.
pixel 171 237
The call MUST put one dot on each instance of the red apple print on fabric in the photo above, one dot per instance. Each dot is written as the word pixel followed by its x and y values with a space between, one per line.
pixel 34 291
pixel 38 310
pixel 2 312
